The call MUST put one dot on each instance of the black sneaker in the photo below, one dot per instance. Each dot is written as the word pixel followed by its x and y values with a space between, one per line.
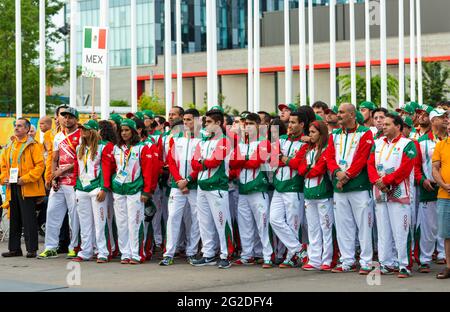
pixel 224 264
pixel 9 254
pixel 204 261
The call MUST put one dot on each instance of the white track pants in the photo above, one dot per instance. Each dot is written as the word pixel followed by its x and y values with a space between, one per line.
pixel 179 205
pixel 319 214
pixel 394 225
pixel 253 221
pixel 58 204
pixel 214 219
pixel 353 212
pixel 286 219
pixel 93 224
pixel 129 212
pixel 426 231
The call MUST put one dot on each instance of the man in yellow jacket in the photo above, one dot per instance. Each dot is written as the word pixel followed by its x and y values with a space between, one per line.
pixel 22 166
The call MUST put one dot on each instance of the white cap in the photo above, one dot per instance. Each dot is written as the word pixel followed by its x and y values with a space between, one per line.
pixel 437 113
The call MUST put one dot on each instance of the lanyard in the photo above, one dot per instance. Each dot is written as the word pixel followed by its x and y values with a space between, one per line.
pixel 390 152
pixel 68 140
pixel 311 159
pixel 85 158
pixel 127 158
pixel 20 153
pixel 343 156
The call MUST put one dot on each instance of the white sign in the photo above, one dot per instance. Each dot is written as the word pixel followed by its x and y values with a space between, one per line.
pixel 95 52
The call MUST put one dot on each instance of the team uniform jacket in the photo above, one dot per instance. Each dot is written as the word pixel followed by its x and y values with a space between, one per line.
pixel 317 181
pixel 211 160
pixel 393 162
pixel 141 162
pixel 66 145
pixel 250 158
pixel 93 174
pixel 348 150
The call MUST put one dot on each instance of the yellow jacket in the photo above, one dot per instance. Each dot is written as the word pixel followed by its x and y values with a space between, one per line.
pixel 31 168
pixel 48 145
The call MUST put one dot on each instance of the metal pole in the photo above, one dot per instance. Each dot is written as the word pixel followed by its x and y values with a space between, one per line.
pixel 209 55
pixel 287 55
pixel 401 54
pixel 352 52
pixel 383 53
pixel 179 55
pixel 250 55
pixel 312 96
pixel 214 51
pixel 302 51
pixel 256 46
pixel 333 53
pixel 73 52
pixel 104 83
pixel 412 50
pixel 134 106
pixel 419 54
pixel 367 48
pixel 42 83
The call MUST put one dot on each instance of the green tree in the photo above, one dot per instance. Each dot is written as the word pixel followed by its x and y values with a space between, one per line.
pixel 435 86
pixel 153 103
pixel 346 95
pixel 57 71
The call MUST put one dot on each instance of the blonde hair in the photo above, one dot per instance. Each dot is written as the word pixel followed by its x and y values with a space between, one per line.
pixel 91 142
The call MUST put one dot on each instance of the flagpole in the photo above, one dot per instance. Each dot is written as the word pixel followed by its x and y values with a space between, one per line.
pixel 93 95
pixel 367 48
pixel 73 52
pixel 302 51
pixel 18 60
pixel 42 83
pixel 412 50
pixel 256 46
pixel 250 55
pixel 179 55
pixel 383 53
pixel 419 53
pixel 401 54
pixel 134 106
pixel 287 55
pixel 352 52
pixel 333 53
pixel 214 51
pixel 311 76
pixel 104 82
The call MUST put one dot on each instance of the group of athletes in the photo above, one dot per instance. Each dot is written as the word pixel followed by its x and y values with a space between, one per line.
pixel 317 188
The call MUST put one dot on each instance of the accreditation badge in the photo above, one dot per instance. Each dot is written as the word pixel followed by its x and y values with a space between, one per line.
pixel 121 177
pixel 13 175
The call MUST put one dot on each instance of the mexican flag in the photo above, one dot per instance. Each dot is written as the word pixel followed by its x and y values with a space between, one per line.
pixel 95 38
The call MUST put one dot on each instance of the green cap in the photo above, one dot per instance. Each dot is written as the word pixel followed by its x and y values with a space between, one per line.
pixel 319 118
pixel 292 107
pixel 244 115
pixel 138 115
pixel 394 113
pixel 425 108
pixel 217 107
pixel 408 121
pixel 91 124
pixel 129 123
pixel 116 118
pixel 70 111
pixel 407 109
pixel 148 113
pixel 333 110
pixel 414 105
pixel 359 118
pixel 369 105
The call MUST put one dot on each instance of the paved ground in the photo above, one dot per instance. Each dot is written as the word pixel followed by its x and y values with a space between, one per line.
pixel 21 274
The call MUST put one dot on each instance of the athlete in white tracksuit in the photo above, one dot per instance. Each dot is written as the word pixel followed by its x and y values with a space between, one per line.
pixel 250 156
pixel 133 182
pixel 390 165
pixel 91 192
pixel 348 150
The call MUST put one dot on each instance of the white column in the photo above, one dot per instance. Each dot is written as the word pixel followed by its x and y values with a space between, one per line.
pixel 302 51
pixel 214 50
pixel 42 83
pixel 256 45
pixel 211 43
pixel 383 53
pixel 401 54
pixel 419 54
pixel 73 52
pixel 412 50
pixel 104 83
pixel 332 53
pixel 287 55
pixel 250 55
pixel 134 106
pixel 367 48
pixel 312 96
pixel 179 54
pixel 352 52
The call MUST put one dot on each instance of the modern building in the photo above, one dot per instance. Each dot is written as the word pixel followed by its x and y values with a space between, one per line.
pixel 232 42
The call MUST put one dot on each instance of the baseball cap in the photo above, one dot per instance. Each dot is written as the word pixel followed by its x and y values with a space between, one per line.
pixel 437 113
pixel 116 118
pixel 407 109
pixel 217 107
pixel 129 123
pixel 70 111
pixel 243 115
pixel 414 105
pixel 333 110
pixel 138 115
pixel 292 107
pixel 91 124
pixel 148 113
pixel 424 108
pixel 319 117
pixel 408 121
pixel 367 104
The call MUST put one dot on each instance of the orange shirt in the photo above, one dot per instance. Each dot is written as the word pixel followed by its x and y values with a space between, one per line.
pixel 442 154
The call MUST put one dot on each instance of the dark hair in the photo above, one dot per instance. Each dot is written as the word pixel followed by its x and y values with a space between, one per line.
pixel 216 115
pixel 27 123
pixel 135 139
pixel 192 111
pixel 267 118
pixel 253 117
pixel 229 119
pixel 59 108
pixel 141 125
pixel 107 132
pixel 323 140
pixel 276 121
pixel 180 109
pixel 320 104
pixel 380 109
pixel 398 121
pixel 161 119
pixel 306 115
